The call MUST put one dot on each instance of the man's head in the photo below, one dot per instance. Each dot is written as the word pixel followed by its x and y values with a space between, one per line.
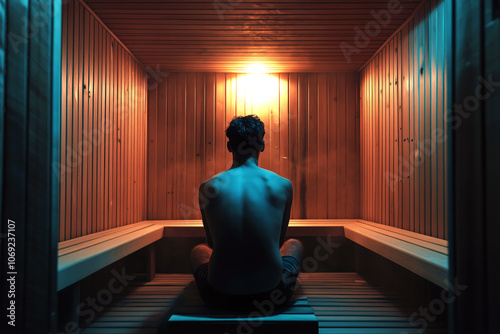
pixel 246 136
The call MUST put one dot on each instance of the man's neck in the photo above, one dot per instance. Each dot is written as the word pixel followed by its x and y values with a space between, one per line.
pixel 245 162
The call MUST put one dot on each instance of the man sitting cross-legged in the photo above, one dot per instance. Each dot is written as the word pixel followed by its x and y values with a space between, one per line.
pixel 245 212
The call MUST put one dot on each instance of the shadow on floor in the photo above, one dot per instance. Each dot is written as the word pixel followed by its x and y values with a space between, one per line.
pixel 190 314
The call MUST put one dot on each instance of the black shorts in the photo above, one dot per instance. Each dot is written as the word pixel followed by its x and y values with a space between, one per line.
pixel 280 295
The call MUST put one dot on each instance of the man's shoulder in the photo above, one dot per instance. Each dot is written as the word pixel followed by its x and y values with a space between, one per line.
pixel 223 178
pixel 215 180
pixel 280 180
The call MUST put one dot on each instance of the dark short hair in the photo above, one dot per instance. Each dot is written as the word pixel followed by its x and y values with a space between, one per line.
pixel 246 129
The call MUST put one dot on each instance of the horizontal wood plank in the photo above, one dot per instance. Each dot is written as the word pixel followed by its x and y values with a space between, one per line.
pixel 87 240
pixel 199 22
pixel 374 313
pixel 425 262
pixel 424 255
pixel 83 261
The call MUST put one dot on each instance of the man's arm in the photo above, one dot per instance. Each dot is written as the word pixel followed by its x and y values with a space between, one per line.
pixel 286 213
pixel 203 203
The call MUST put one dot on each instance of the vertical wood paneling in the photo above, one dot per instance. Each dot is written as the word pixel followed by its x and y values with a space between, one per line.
pixel 301 184
pixel 293 149
pixel 341 143
pixel 168 122
pixel 405 115
pixel 210 126
pixel 413 69
pixel 352 152
pixel 311 123
pixel 73 195
pixel 180 142
pixel 65 117
pixel 84 26
pixel 382 93
pixel 274 110
pixel 190 126
pixel 322 143
pixel 332 144
pixel 103 151
pixel 93 121
pixel 427 116
pixel 403 147
pixel 284 123
pixel 312 145
pixel 120 175
pixel 100 93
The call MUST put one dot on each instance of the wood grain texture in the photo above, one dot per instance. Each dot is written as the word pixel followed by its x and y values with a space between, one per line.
pixel 342 302
pixel 424 259
pixel 103 129
pixel 81 257
pixel 191 316
pixel 424 255
pixel 404 121
pixel 228 36
pixel 296 227
pixel 311 122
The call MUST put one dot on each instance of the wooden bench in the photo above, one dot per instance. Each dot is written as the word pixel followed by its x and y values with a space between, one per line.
pixel 83 256
pixel 78 258
pixel 426 256
pixel 296 227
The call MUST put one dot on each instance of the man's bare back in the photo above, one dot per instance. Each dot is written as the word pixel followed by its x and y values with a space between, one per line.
pixel 245 212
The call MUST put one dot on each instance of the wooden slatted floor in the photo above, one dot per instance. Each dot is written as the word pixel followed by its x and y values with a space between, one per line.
pixel 343 303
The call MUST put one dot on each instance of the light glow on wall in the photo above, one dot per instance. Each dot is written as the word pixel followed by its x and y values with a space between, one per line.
pixel 256 90
pixel 257 84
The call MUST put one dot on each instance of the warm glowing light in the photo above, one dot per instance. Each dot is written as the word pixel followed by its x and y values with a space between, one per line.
pixel 256 86
pixel 256 68
pixel 258 89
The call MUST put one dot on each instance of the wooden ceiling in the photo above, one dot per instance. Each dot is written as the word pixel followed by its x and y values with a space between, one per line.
pixel 230 35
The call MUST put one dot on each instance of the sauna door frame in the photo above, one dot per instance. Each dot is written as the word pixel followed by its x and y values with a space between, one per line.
pixel 475 212
pixel 30 101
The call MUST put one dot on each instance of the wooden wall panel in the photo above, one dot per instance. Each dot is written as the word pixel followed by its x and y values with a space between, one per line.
pixel 404 102
pixel 312 130
pixel 103 128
